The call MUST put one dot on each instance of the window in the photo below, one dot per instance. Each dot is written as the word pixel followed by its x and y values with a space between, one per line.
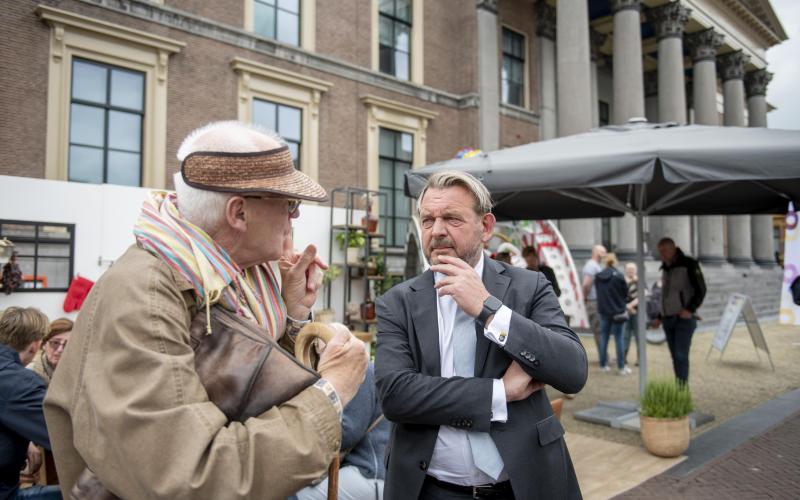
pixel 285 101
pixel 513 84
pixel 45 253
pixel 105 125
pixel 396 155
pixel 107 122
pixel 285 120
pixel 603 113
pixel 278 19
pixel 395 37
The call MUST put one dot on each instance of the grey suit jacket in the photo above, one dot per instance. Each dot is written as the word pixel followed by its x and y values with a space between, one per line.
pixel 418 400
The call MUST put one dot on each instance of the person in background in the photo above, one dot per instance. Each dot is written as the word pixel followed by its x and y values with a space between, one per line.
pixel 632 325
pixel 531 257
pixel 590 269
pixel 612 296
pixel 54 344
pixel 683 291
pixel 21 394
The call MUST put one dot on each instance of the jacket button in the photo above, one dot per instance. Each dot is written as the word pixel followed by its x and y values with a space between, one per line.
pixel 423 465
pixel 536 363
pixel 524 354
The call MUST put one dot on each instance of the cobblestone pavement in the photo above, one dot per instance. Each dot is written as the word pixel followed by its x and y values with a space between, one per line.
pixel 767 466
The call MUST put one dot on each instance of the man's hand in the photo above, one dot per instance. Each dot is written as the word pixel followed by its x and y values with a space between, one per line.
pixel 34 460
pixel 462 283
pixel 685 314
pixel 655 323
pixel 301 278
pixel 344 364
pixel 519 385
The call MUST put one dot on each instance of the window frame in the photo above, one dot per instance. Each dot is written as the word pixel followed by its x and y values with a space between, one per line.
pixel 280 86
pixel 307 19
pixel 36 241
pixel 417 42
pixel 394 20
pixel 73 35
pixel 277 8
pixel 299 144
pixel 392 190
pixel 525 66
pixel 107 107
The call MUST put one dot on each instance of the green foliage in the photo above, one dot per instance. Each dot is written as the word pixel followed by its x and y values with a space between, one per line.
pixel 666 398
pixel 330 274
pixel 355 239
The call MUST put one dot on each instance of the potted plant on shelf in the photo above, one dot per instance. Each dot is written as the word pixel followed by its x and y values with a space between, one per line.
pixel 327 315
pixel 353 242
pixel 370 220
pixel 664 417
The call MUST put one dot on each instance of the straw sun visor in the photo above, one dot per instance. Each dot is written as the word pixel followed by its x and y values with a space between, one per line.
pixel 257 172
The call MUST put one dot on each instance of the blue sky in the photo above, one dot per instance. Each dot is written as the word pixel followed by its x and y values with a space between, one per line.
pixel 784 60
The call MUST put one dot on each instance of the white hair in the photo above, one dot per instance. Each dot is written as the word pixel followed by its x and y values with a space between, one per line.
pixel 450 178
pixel 203 208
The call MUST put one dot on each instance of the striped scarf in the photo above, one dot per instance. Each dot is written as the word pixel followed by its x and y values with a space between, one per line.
pixel 253 293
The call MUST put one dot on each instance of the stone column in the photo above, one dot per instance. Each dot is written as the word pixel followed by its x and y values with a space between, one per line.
pixel 703 48
pixel 627 71
pixel 546 30
pixel 628 94
pixel 573 68
pixel 574 101
pixel 651 96
pixel 669 20
pixel 731 66
pixel 597 40
pixel 488 79
pixel 755 83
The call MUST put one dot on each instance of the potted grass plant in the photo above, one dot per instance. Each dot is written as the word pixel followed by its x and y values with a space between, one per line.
pixel 664 417
pixel 352 242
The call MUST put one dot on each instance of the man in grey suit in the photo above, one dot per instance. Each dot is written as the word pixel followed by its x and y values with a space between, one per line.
pixel 463 352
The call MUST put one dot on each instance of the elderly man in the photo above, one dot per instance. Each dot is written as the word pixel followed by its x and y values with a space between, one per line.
pixel 463 353
pixel 128 403
pixel 590 269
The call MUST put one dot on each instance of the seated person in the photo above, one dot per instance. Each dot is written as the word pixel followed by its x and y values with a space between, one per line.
pixel 362 472
pixel 21 395
pixel 53 346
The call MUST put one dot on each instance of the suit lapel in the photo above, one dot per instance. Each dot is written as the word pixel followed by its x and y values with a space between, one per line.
pixel 426 323
pixel 496 282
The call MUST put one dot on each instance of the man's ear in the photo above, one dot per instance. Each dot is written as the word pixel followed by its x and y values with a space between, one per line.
pixel 488 221
pixel 235 214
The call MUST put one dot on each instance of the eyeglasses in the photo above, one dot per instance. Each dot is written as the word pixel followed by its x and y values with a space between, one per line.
pixel 57 344
pixel 292 205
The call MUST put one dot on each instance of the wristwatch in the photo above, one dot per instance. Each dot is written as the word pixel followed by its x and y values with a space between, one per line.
pixel 490 306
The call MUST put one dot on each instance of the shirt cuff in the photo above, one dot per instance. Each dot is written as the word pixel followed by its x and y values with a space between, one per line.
pixel 327 388
pixel 499 409
pixel 498 328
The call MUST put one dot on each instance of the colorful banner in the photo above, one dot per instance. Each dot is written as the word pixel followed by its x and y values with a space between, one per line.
pixel 790 312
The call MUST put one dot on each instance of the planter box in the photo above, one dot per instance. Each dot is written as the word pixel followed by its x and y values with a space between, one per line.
pixel 665 437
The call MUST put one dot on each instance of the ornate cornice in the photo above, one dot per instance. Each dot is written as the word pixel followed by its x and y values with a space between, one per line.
pixel 731 65
pixel 490 5
pixel 669 19
pixel 546 20
pixel 703 44
pixel 756 82
pixel 596 42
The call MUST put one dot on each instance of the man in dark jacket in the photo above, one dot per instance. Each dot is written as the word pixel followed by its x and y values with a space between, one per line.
pixel 683 291
pixel 21 395
pixel 531 256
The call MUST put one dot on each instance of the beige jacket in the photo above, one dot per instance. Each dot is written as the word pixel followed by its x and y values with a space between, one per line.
pixel 128 403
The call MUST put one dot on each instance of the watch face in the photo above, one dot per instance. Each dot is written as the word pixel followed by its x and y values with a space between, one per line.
pixel 493 303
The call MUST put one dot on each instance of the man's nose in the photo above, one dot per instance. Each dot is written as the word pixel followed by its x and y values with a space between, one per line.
pixel 439 227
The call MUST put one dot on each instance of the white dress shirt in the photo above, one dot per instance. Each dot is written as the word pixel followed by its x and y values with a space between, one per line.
pixel 452 456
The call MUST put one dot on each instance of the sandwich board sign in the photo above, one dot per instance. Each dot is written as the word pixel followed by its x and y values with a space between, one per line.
pixel 739 305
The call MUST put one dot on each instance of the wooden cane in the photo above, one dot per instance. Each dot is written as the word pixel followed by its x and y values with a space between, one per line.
pixel 302 351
